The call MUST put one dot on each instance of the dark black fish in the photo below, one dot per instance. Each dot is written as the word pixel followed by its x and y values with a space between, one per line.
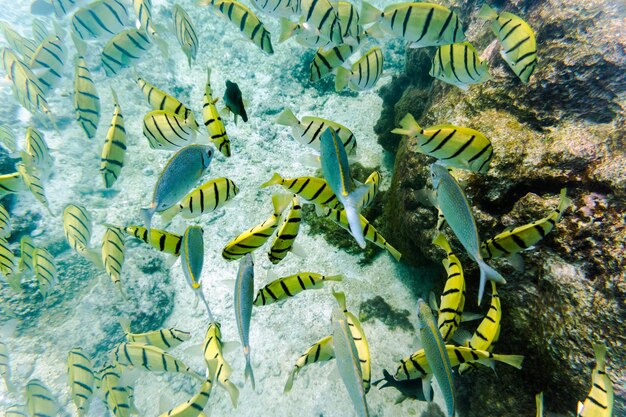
pixel 408 389
pixel 233 101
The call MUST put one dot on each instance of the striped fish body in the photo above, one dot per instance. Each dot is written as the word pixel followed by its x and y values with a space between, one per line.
pixel 312 189
pixel 150 358
pixel 124 50
pixel 276 8
pixel 287 232
pixel 422 24
pixel 5 369
pixel 160 100
pixel 15 411
pixel 45 270
pixel 113 251
pixel 322 19
pixel 164 339
pixel 308 131
pixel 36 151
pixel 369 232
pixel 326 61
pixel 373 183
pixel 143 10
pixel 160 240
pixel 192 256
pixel 599 401
pixel 114 149
pixel 26 254
pixel 364 73
pixel 459 64
pixel 523 237
pixel 417 366
pixel 488 332
pixel 320 351
pixel 48 61
pixel 24 46
pixel 8 139
pixel 244 293
pixel 193 407
pixel 348 20
pixel 101 18
pixel 81 379
pixel 252 239
pixel 86 99
pixel 39 401
pixel 167 131
pixel 33 182
pixel 453 296
pixel 205 199
pixel 287 287
pixel 5 223
pixel 7 264
pixel 185 33
pixel 213 120
pixel 247 22
pixel 116 397
pixel 436 354
pixel 11 184
pixel 219 369
pixel 40 30
pixel 77 227
pixel 519 46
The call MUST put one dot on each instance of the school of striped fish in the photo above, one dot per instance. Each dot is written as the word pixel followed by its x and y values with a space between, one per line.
pixel 347 42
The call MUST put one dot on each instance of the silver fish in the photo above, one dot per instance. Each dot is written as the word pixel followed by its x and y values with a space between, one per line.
pixel 244 297
pixel 337 172
pixel 178 177
pixel 453 204
pixel 192 260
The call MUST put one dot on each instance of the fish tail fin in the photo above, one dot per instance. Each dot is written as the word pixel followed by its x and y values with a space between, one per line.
pixel 564 203
pixel 334 278
pixel 170 213
pixel 287 118
pixel 341 78
pixel 94 256
pixel 374 31
pixel 408 126
pixel 162 46
pixel 600 352
pixel 233 392
pixel 441 241
pixel 8 384
pixel 513 360
pixel 487 273
pixel 487 12
pixel 125 324
pixel 115 100
pixel 369 13
pixel 290 378
pixel 248 372
pixel 353 205
pixel 280 202
pixel 147 214
pixel 120 288
pixel 393 251
pixel 287 29
pixel 340 296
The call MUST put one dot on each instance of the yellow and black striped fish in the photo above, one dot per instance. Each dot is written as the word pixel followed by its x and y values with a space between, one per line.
pixel 45 270
pixel 143 10
pixel 194 406
pixel 116 396
pixel 369 232
pixel 24 46
pixel 101 18
pixel 11 184
pixel 185 33
pixel 599 401
pixel 321 18
pixel 422 24
pixel 349 20
pixel 213 120
pixel 308 131
pixel 219 369
pixel 123 50
pixel 34 183
pixel 86 99
pixel 39 400
pixel 15 410
pixel 276 8
pixel 364 73
pixel 488 332
pixel 523 237
pixel 459 64
pixel 161 240
pixel 326 60
pixel 36 152
pixel 283 288
pixel 247 22
pixel 5 223
pixel 7 265
pixel 312 189
pixel 40 30
pixel 48 62
pixel 453 297
pixel 8 139
pixel 81 379
pixel 113 252
pixel 150 358
pixel 416 366
pixel 114 150
pixel 27 247
pixel 287 232
pixel 77 228
pixel 165 339
pixel 160 100
pixel 167 131
pixel 252 239
pixel 320 351
pixel 519 46
pixel 373 183
pixel 205 199
pixel 458 147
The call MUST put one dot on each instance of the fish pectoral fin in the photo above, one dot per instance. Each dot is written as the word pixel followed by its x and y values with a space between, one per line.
pixel 195 350
pixel 432 299
pixel 228 347
pixel 466 316
pixel 426 387
pixel 517 261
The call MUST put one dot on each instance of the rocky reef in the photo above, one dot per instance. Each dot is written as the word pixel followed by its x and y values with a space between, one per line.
pixel 564 129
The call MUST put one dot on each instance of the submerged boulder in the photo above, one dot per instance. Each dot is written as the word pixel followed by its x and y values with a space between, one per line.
pixel 564 129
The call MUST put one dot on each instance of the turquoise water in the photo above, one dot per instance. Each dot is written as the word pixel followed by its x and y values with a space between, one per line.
pixel 83 307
